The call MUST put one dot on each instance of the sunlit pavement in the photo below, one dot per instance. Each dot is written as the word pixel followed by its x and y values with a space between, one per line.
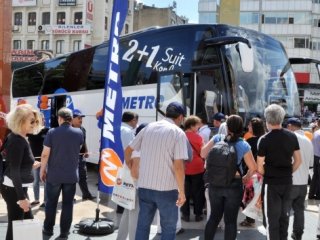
pixel 193 230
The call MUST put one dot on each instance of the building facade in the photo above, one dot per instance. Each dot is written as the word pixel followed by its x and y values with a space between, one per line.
pixel 5 62
pixel 148 16
pixel 42 29
pixel 296 23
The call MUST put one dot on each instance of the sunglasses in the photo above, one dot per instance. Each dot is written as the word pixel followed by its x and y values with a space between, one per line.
pixel 34 122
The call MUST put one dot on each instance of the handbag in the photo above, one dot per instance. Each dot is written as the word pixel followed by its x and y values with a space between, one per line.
pixel 254 208
pixel 124 191
pixel 27 229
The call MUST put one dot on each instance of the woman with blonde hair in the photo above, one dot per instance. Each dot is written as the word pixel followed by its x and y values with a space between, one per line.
pixel 22 120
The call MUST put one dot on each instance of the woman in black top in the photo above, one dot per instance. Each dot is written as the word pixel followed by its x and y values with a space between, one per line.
pixel 22 120
pixel 258 129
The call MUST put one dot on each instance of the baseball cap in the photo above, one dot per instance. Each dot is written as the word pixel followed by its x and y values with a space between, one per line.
pixel 175 108
pixel 65 113
pixel 77 113
pixel 294 121
pixel 218 116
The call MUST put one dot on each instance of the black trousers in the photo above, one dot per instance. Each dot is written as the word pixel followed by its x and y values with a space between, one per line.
pixel 194 188
pixel 14 211
pixel 83 178
pixel 275 211
pixel 314 190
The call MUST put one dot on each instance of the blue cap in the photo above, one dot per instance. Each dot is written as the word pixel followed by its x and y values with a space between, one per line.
pixel 294 121
pixel 175 108
pixel 218 116
pixel 78 113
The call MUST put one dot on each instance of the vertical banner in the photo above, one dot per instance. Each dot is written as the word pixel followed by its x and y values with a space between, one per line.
pixel 111 155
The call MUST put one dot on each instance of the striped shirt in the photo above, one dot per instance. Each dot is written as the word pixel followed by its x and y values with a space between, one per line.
pixel 160 143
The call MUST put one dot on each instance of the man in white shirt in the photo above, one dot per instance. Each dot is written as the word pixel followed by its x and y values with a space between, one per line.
pixel 204 131
pixel 163 149
pixel 299 178
pixel 129 123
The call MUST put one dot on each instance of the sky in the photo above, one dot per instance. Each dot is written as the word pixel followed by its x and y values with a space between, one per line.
pixel 187 8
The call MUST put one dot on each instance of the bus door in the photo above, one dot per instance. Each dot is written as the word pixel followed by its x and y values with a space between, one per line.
pixel 169 89
pixel 213 89
pixel 57 102
pixel 211 94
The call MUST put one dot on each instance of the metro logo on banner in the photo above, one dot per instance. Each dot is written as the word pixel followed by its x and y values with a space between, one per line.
pixel 111 155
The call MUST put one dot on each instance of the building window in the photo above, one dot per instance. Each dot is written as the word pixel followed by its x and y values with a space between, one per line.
pixel 18 18
pixel 46 18
pixel 16 44
pixel 59 47
pixel 78 18
pixel 301 43
pixel 61 18
pixel 32 19
pixel 249 18
pixel 30 44
pixel 105 23
pixel 45 45
pixel 76 45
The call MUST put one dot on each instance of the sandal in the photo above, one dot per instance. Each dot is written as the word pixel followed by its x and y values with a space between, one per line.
pixel 245 223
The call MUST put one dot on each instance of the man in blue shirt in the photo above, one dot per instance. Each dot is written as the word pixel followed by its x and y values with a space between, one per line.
pixel 59 169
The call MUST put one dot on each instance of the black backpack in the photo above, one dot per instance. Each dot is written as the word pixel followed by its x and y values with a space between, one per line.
pixel 221 164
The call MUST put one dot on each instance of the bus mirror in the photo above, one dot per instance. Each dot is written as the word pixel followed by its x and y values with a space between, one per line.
pixel 318 68
pixel 246 55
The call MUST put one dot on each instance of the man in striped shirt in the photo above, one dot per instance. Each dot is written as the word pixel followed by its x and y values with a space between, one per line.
pixel 163 149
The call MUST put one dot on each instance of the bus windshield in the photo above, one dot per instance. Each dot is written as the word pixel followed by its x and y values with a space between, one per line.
pixel 271 81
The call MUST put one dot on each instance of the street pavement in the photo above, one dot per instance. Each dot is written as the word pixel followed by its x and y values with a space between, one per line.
pixel 193 230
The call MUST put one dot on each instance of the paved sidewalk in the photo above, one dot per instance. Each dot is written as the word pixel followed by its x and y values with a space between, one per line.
pixel 193 230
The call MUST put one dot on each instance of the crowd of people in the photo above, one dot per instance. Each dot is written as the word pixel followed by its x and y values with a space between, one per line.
pixel 171 165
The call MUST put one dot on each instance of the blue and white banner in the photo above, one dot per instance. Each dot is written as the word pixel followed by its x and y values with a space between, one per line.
pixel 111 155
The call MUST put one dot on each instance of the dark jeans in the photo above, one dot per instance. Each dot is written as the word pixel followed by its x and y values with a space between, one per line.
pixel 296 202
pixel 275 212
pixel 314 190
pixel 149 202
pixel 53 193
pixel 194 188
pixel 14 211
pixel 224 201
pixel 83 178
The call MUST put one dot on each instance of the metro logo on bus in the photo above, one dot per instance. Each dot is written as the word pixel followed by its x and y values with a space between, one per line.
pixel 109 164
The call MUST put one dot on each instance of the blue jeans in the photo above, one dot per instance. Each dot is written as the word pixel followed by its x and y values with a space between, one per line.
pixel 150 201
pixel 224 201
pixel 53 193
pixel 36 185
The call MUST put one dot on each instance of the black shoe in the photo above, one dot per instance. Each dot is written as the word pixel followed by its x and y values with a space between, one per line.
pixel 295 236
pixel 185 218
pixel 318 236
pixel 88 198
pixel 47 232
pixel 198 218
pixel 181 230
pixel 43 205
pixel 63 236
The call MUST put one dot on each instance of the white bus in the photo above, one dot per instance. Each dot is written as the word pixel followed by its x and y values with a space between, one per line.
pixel 208 68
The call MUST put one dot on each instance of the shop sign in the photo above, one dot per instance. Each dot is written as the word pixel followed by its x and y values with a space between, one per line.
pixel 67 2
pixel 24 3
pixel 67 29
pixel 311 95
pixel 28 55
